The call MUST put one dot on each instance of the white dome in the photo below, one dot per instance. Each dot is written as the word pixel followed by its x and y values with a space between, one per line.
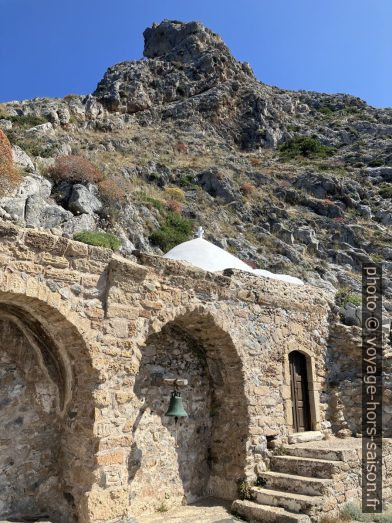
pixel 207 256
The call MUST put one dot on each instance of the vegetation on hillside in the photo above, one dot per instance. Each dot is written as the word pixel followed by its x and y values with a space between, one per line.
pixel 98 239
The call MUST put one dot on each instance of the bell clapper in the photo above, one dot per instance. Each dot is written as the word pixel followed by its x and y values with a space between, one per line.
pixel 176 433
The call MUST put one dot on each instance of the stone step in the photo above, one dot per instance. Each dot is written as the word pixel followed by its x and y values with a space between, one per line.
pixel 318 453
pixel 294 483
pixel 309 467
pixel 266 514
pixel 303 437
pixel 290 501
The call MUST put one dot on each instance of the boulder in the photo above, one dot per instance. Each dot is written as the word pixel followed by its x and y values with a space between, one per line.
pixel 384 173
pixel 318 185
pixel 283 233
pixel 83 222
pixel 364 211
pixel 15 207
pixel 40 213
pixel 34 184
pixel 41 130
pixel 217 185
pixel 22 159
pixel 384 216
pixel 307 236
pixel 93 108
pixel 63 115
pixel 83 200
pixel 325 208
pixel 6 125
pixel 351 315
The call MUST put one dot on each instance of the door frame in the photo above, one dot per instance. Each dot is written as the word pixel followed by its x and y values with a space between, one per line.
pixel 298 362
pixel 313 390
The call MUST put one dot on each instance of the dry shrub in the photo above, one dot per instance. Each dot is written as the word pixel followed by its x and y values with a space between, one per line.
pixel 251 263
pixel 9 176
pixel 247 188
pixel 115 189
pixel 255 162
pixel 174 206
pixel 175 193
pixel 181 147
pixel 74 169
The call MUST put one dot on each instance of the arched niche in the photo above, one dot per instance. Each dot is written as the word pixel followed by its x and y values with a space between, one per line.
pixel 46 412
pixel 210 456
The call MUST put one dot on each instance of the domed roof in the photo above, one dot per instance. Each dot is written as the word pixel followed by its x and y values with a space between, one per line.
pixel 205 255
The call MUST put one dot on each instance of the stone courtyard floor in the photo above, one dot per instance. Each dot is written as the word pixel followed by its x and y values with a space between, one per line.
pixel 206 511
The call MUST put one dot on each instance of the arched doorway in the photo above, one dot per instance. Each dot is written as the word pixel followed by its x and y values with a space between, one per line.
pixel 205 454
pixel 300 392
pixel 46 414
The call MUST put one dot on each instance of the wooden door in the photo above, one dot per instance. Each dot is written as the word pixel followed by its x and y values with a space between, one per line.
pixel 299 392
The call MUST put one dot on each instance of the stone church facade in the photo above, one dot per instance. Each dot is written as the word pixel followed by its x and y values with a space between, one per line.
pixel 87 340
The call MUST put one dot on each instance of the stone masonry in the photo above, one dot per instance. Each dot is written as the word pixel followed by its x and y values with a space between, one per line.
pixel 87 338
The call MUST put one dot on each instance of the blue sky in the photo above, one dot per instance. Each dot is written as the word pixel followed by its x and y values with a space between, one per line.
pixel 58 47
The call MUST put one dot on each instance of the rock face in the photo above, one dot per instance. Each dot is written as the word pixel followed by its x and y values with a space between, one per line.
pixel 190 64
pixel 175 41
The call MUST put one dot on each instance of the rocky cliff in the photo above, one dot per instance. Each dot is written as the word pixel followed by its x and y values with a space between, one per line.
pixel 295 182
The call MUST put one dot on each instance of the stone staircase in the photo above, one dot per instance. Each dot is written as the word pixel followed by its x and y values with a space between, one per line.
pixel 297 488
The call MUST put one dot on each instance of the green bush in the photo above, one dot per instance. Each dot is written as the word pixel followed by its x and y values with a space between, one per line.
pixel 26 121
pixel 325 109
pixel 99 239
pixel 352 512
pixel 157 204
pixel 386 191
pixel 244 489
pixel 305 146
pixel 376 163
pixel 344 296
pixel 350 109
pixel 174 230
pixel 187 181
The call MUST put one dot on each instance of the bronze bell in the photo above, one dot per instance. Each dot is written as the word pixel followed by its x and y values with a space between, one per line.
pixel 176 408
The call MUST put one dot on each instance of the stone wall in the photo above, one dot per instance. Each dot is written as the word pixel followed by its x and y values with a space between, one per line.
pixel 169 460
pixel 347 486
pixel 344 391
pixel 29 432
pixel 101 325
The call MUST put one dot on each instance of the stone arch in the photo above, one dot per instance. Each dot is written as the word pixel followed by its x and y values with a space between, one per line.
pixel 50 363
pixel 313 389
pixel 219 440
